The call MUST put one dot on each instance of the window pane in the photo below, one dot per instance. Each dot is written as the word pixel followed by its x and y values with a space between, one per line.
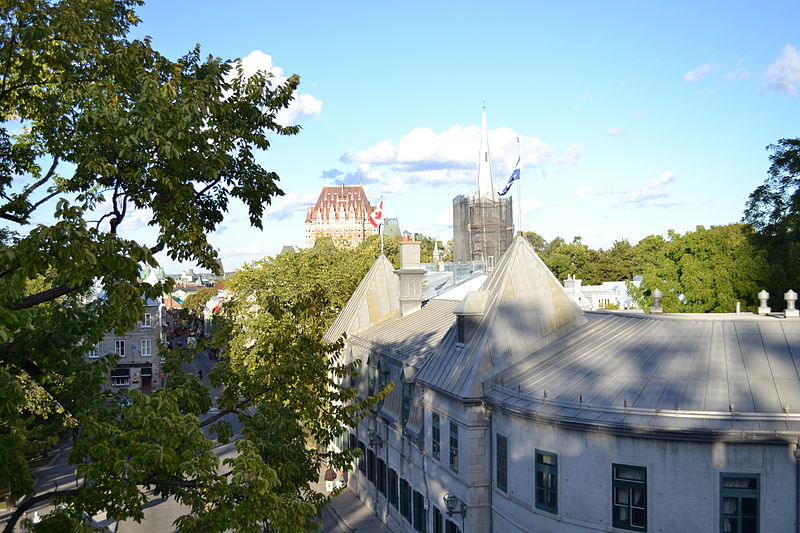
pixel 621 513
pixel 629 472
pixel 638 517
pixel 638 497
pixel 749 525
pixel 621 495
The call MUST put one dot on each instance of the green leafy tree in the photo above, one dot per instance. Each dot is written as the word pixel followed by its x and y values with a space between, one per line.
pixel 92 119
pixel 773 209
pixel 574 259
pixel 702 271
pixel 538 242
pixel 195 301
pixel 617 263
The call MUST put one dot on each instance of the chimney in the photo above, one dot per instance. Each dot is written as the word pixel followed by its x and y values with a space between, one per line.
pixel 791 311
pixel 763 300
pixel 410 274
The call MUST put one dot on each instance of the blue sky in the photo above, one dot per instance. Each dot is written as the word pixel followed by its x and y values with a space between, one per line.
pixel 634 117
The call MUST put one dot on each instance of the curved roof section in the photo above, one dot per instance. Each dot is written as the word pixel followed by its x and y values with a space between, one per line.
pixel 701 375
pixel 377 298
pixel 527 308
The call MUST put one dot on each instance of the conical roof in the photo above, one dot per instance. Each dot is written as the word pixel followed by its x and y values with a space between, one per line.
pixel 375 299
pixel 525 309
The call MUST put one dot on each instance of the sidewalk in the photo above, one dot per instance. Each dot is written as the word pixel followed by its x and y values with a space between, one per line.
pixel 347 514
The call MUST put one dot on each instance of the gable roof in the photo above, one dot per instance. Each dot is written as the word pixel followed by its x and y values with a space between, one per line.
pixel 377 298
pixel 526 309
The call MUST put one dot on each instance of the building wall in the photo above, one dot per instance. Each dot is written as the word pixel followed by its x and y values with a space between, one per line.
pixel 340 213
pixel 683 479
pixel 134 362
pixel 481 228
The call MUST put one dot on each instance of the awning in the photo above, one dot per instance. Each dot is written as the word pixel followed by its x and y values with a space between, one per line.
pixel 121 373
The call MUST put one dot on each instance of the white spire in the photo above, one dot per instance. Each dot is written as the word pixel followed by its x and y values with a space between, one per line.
pixel 485 184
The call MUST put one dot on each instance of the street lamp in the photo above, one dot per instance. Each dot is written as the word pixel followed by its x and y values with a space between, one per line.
pixel 451 501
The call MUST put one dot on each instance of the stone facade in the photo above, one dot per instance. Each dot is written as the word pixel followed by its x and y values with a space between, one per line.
pixel 139 363
pixel 529 414
pixel 342 214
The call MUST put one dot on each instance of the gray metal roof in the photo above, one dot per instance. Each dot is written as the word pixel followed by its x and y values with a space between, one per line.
pixel 412 338
pixel 527 308
pixel 689 373
pixel 376 299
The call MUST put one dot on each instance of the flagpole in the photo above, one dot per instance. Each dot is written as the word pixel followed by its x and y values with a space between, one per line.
pixel 519 192
pixel 380 231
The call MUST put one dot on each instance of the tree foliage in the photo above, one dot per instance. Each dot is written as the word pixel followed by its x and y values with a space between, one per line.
pixel 706 270
pixel 94 127
pixel 195 301
pixel 773 209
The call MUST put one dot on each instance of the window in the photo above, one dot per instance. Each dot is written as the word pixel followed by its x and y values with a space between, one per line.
pixel 419 512
pixel 460 329
pixel 435 436
pixel 453 447
pixel 371 466
pixel 353 442
pixel 407 390
pixel 547 481
pixel 452 527
pixel 392 487
pixel 372 375
pixel 147 347
pixel 629 489
pixel 119 348
pixel 362 459
pixel 502 463
pixel 120 377
pixel 739 509
pixel 381 476
pixel 94 353
pixel 146 320
pixel 438 521
pixel 405 499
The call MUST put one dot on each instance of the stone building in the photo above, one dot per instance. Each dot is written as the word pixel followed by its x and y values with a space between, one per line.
pixel 342 214
pixel 513 410
pixel 139 364
pixel 483 224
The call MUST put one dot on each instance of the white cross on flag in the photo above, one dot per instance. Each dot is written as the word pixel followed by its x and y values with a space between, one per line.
pixel 377 216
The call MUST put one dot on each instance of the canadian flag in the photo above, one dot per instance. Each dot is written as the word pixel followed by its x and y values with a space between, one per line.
pixel 377 216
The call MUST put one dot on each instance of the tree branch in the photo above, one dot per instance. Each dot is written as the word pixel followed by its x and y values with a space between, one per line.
pixel 33 500
pixel 46 296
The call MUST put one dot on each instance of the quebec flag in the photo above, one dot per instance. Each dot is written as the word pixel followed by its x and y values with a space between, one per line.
pixel 514 177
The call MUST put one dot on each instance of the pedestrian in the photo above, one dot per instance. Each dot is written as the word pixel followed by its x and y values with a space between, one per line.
pixel 330 479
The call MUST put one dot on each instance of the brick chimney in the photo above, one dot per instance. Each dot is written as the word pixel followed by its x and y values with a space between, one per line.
pixel 410 274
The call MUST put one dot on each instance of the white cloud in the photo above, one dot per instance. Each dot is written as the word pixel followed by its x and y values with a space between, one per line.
pixel 136 219
pixel 616 132
pixel 738 74
pixel 570 155
pixel 648 194
pixel 529 205
pixel 448 157
pixel 784 74
pixel 283 207
pixel 693 76
pixel 637 114
pixel 590 191
pixel 303 105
